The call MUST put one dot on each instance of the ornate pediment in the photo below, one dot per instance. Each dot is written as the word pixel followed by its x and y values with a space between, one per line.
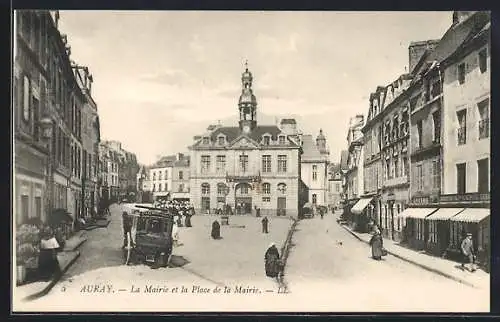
pixel 244 142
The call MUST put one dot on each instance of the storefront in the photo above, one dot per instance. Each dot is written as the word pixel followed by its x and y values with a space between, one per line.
pixel 477 222
pixel 361 216
pixel 413 222
pixel 441 241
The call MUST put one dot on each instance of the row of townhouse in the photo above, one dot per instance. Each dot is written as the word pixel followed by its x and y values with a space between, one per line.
pixel 421 166
pixel 119 169
pixel 168 178
pixel 56 123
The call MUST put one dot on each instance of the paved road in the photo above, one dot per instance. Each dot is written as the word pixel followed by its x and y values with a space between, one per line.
pixel 234 263
pixel 330 270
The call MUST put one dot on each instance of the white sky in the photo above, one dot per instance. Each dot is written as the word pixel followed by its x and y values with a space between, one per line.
pixel 162 77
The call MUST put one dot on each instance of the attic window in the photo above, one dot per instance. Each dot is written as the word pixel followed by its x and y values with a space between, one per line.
pixel 266 139
pixel 221 140
pixel 206 140
pixel 281 139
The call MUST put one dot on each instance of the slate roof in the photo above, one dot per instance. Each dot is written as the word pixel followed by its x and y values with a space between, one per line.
pixel 232 132
pixel 458 34
pixel 310 150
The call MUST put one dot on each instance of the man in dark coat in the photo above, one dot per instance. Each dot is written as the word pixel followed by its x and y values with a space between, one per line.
pixel 271 259
pixel 467 248
pixel 257 212
pixel 265 223
pixel 376 242
pixel 215 230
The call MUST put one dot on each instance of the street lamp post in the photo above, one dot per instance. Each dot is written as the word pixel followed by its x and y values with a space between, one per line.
pixel 47 126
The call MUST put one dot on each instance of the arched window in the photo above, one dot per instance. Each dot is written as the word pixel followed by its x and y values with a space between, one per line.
pixel 282 188
pixel 221 189
pixel 205 188
pixel 266 188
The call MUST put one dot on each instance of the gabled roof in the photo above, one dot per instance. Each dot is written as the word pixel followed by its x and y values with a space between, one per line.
pixel 233 132
pixel 458 34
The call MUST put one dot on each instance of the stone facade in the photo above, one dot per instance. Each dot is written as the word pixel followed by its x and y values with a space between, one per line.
pixel 314 168
pixel 246 166
pixel 53 149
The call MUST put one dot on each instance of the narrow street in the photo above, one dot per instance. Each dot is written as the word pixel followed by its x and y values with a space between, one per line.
pixel 236 262
pixel 328 260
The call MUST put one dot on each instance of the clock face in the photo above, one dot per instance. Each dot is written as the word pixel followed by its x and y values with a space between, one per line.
pixel 246 128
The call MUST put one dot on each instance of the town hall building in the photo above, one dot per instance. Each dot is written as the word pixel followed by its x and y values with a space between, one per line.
pixel 246 166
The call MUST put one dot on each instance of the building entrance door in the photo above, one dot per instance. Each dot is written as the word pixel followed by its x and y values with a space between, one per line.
pixel 281 206
pixel 244 205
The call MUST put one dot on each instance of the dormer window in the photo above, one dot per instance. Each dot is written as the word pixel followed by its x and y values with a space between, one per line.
pixel 281 140
pixel 206 140
pixel 221 140
pixel 266 139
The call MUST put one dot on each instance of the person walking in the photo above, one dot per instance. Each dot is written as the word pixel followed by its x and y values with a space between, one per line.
pixel 321 212
pixel 271 259
pixel 127 227
pixel 467 248
pixel 215 230
pixel 48 264
pixel 265 225
pixel 377 244
pixel 257 212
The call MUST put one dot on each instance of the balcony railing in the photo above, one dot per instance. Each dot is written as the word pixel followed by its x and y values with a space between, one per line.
pixel 462 135
pixel 484 128
pixel 237 176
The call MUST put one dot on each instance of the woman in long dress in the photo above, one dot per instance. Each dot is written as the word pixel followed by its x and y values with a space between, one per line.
pixel 48 264
pixel 376 242
pixel 215 230
pixel 271 259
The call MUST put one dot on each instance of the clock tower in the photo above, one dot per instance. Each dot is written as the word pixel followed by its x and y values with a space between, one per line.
pixel 248 103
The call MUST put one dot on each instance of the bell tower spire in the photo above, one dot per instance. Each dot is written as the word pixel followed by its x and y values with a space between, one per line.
pixel 247 103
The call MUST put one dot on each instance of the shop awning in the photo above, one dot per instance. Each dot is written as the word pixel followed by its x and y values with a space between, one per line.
pixel 473 215
pixel 444 213
pixel 360 205
pixel 417 213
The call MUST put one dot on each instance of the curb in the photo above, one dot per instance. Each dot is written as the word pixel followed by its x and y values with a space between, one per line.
pixel 54 281
pixel 285 251
pixel 75 247
pixel 428 268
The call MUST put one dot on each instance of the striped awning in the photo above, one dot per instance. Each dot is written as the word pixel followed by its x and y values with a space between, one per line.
pixel 445 213
pixel 473 215
pixel 417 213
pixel 360 205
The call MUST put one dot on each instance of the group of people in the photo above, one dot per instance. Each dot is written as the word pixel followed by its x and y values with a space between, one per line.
pixel 466 248
pixel 182 211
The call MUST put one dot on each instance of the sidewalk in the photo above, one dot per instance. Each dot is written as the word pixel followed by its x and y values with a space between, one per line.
pixel 66 258
pixel 447 268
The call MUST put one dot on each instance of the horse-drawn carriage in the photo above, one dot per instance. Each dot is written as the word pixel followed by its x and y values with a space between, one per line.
pixel 150 238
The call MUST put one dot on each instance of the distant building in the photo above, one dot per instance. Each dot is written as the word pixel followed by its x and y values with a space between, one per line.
pixel 180 178
pixel 334 199
pixel 314 167
pixel 246 166
pixel 353 187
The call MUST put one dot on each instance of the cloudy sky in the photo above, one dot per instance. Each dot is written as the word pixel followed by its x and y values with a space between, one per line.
pixel 162 77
